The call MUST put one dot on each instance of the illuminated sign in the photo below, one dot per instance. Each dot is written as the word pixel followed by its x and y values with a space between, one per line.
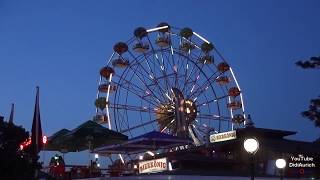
pixel 153 166
pixel 223 136
pixel 44 139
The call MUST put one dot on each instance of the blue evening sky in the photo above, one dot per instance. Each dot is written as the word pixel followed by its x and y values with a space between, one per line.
pixel 61 45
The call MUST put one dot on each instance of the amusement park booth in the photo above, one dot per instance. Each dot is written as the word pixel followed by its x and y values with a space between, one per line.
pixel 227 156
pixel 161 153
pixel 86 136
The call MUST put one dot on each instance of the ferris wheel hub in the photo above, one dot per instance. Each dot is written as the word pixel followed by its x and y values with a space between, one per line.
pixel 178 114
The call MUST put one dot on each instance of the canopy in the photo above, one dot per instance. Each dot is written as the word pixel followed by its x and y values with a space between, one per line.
pixel 56 141
pixel 150 141
pixel 88 135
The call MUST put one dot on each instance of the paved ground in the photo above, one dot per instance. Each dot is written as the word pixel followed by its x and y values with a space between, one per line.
pixel 182 177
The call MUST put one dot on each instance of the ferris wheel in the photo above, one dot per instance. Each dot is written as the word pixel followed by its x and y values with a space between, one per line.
pixel 171 80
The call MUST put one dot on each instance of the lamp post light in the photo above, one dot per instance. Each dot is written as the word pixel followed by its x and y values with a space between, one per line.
pixel 281 164
pixel 251 145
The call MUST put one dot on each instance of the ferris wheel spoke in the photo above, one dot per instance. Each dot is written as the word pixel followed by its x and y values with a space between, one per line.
pixel 211 101
pixel 185 66
pixel 121 120
pixel 194 82
pixel 173 62
pixel 170 67
pixel 145 84
pixel 213 117
pixel 164 68
pixel 131 89
pixel 197 73
pixel 137 94
pixel 219 54
pixel 141 125
pixel 162 91
pixel 148 77
pixel 187 78
pixel 209 110
pixel 175 66
pixel 178 68
pixel 205 85
pixel 161 65
pixel 182 61
pixel 134 87
pixel 184 58
pixel 134 108
pixel 144 76
pixel 137 126
pixel 167 126
pixel 166 75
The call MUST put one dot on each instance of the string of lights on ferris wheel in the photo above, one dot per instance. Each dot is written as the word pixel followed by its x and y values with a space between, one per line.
pixel 108 85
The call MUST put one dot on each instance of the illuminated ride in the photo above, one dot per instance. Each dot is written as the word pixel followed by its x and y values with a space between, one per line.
pixel 170 80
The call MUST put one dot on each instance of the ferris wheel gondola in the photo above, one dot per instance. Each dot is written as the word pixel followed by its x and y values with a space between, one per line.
pixel 170 80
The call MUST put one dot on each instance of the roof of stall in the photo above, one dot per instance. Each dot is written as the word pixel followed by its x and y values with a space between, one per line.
pixel 150 141
pixel 78 139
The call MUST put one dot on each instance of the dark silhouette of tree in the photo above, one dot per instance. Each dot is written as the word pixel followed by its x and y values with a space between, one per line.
pixel 14 162
pixel 313 63
pixel 313 113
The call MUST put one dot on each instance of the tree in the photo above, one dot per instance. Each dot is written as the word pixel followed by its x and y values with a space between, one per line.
pixel 313 63
pixel 15 163
pixel 313 113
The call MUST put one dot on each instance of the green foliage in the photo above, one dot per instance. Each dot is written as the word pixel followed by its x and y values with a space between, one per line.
pixel 313 63
pixel 313 113
pixel 14 163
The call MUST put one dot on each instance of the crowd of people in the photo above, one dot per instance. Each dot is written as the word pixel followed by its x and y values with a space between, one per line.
pixel 57 169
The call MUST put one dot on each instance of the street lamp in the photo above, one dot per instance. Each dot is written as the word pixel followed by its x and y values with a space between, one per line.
pixel 281 164
pixel 251 145
pixel 96 156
